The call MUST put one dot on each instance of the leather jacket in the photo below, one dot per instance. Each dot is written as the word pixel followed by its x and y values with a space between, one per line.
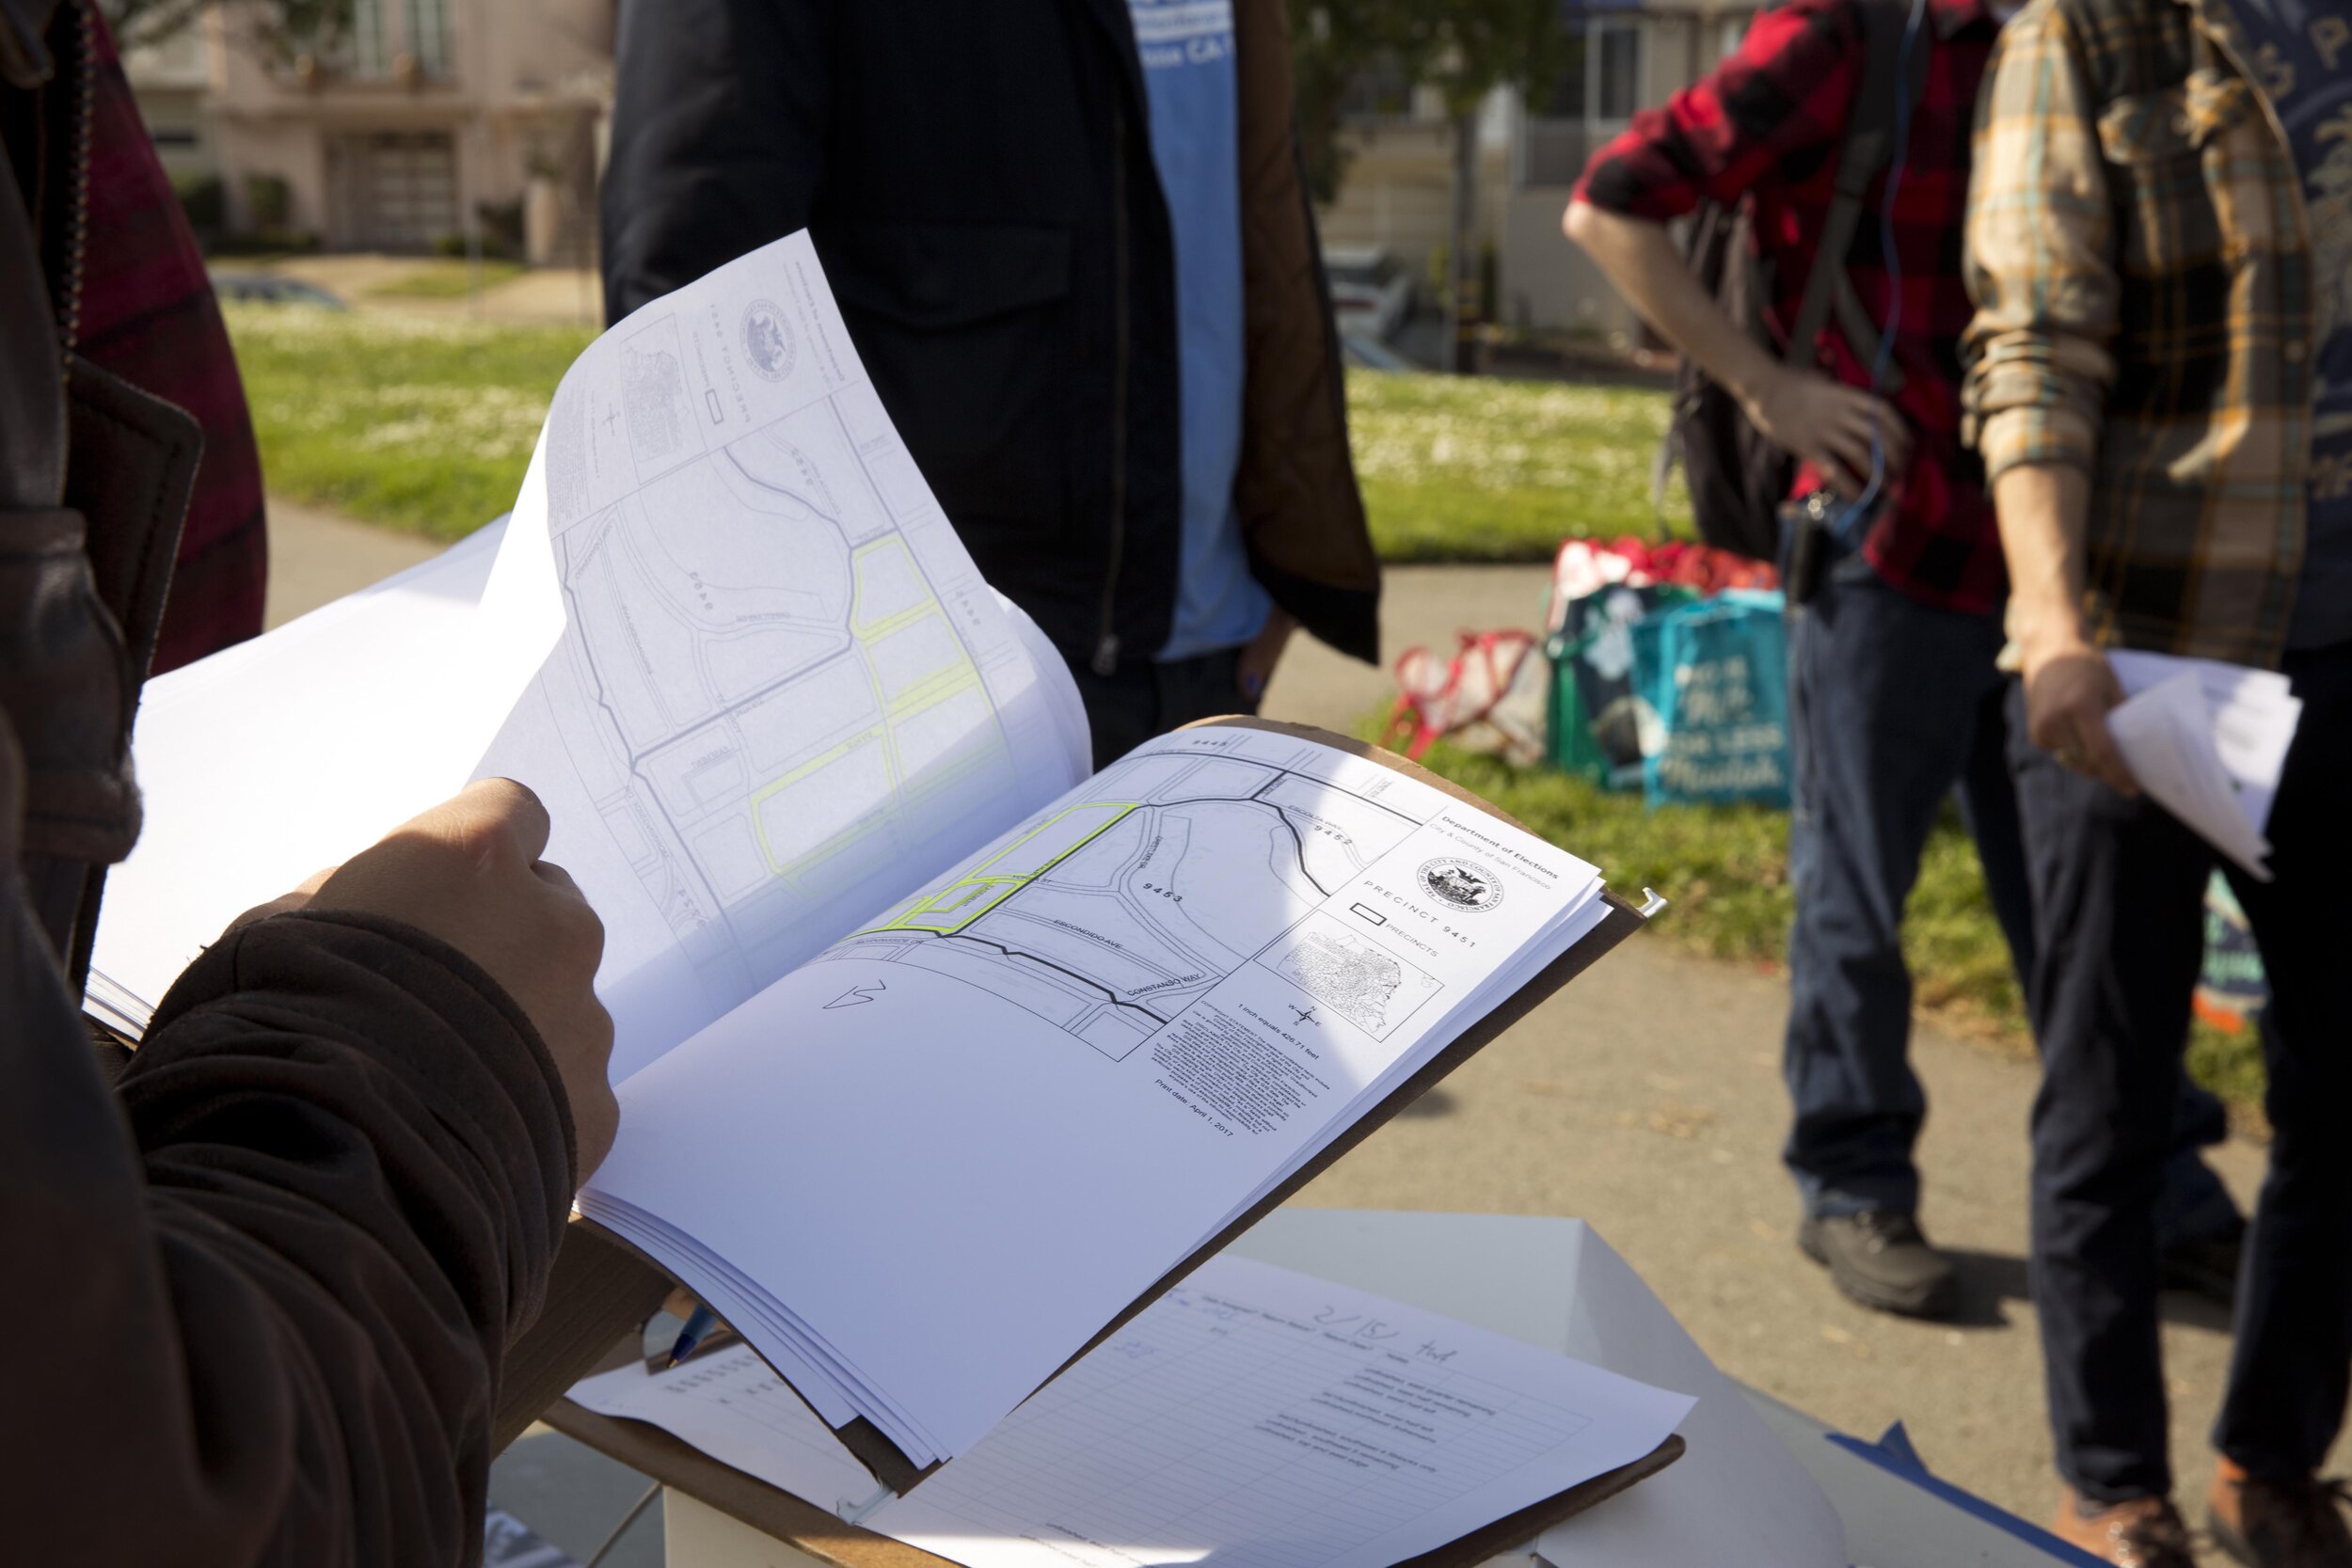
pixel 268 1275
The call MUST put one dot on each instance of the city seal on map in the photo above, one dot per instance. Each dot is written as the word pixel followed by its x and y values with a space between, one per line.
pixel 767 341
pixel 1464 884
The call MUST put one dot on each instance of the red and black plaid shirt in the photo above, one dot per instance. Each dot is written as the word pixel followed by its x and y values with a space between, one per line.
pixel 149 316
pixel 1766 124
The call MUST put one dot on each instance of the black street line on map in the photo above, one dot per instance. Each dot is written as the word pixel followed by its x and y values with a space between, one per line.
pixel 1087 980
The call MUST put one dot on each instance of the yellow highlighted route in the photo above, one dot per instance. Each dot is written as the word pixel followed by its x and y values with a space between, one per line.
pixel 950 909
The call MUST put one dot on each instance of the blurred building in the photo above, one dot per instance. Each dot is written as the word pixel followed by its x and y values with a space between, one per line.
pixel 173 82
pixel 1621 56
pixel 423 125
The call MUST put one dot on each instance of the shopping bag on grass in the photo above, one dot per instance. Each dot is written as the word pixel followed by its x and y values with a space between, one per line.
pixel 1598 726
pixel 1715 674
pixel 1489 697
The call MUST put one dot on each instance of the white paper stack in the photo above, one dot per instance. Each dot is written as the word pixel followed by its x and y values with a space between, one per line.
pixel 2207 740
pixel 1367 1430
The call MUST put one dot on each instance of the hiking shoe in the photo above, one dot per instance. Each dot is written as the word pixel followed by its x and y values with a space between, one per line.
pixel 1881 1259
pixel 2144 1532
pixel 2264 1524
pixel 2207 1265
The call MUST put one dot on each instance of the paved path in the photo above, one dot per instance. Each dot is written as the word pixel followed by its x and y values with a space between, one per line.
pixel 316 557
pixel 1647 1099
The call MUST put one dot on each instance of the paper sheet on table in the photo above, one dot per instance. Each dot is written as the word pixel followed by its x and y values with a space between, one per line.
pixel 1252 1414
pixel 2167 734
pixel 1738 1496
pixel 2253 715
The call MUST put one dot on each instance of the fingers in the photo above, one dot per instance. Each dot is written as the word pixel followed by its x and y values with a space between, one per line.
pixel 2098 758
pixel 561 881
pixel 1857 426
pixel 1845 461
pixel 511 807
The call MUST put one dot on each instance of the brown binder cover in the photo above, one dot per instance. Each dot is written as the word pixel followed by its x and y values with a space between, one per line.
pixel 602 1287
pixel 824 1536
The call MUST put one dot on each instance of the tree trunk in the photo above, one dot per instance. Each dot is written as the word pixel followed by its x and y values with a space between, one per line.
pixel 1460 260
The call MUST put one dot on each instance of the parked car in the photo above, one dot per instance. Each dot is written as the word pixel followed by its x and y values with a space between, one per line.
pixel 1370 354
pixel 269 288
pixel 1372 291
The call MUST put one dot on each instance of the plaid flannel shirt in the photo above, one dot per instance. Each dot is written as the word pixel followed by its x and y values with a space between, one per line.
pixel 2139 253
pixel 1767 124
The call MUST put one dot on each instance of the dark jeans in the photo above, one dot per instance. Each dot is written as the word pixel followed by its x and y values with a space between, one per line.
pixel 1893 704
pixel 2117 886
pixel 1143 698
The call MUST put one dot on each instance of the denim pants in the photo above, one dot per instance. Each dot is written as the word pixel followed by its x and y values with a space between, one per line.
pixel 1142 698
pixel 1892 705
pixel 2117 886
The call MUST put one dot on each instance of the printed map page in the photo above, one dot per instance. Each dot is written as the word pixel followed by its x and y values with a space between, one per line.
pixel 1065 1061
pixel 1113 916
pixel 782 695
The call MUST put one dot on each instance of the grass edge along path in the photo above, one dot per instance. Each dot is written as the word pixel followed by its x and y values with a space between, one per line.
pixel 1724 871
pixel 426 424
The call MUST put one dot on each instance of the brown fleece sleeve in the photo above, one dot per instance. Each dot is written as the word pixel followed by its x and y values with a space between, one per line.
pixel 259 1295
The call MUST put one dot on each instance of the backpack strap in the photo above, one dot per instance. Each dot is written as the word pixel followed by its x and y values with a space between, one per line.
pixel 1869 148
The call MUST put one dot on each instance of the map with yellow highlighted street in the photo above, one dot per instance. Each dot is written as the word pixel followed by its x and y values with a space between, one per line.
pixel 783 686
pixel 1114 914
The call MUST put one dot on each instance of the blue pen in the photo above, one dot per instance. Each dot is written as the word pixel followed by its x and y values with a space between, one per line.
pixel 703 1321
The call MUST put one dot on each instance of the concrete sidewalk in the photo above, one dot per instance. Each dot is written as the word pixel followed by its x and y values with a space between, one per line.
pixel 1645 1098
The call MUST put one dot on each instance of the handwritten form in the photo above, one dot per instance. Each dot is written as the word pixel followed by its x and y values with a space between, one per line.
pixel 1252 1416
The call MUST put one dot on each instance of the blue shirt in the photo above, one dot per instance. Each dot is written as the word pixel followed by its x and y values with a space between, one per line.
pixel 2297 52
pixel 1186 47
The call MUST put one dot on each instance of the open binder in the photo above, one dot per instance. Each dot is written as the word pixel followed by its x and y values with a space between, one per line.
pixel 604 1289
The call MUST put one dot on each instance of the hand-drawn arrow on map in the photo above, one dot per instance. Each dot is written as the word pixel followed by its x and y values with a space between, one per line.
pixel 856 995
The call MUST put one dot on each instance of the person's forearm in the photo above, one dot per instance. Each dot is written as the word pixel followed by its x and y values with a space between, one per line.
pixel 2040 508
pixel 1639 259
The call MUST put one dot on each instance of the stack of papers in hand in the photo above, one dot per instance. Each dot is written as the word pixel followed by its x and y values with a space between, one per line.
pixel 1251 1416
pixel 2207 740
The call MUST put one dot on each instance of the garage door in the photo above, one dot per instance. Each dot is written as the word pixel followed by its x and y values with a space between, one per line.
pixel 405 189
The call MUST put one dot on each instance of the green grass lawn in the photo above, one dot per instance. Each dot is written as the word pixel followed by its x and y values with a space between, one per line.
pixel 426 425
pixel 1468 469
pixel 445 279
pixel 417 424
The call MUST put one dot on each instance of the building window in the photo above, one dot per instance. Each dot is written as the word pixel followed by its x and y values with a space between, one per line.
pixel 1599 80
pixel 368 55
pixel 428 35
pixel 1616 70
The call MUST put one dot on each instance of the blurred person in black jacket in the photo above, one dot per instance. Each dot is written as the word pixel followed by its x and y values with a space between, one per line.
pixel 1075 252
